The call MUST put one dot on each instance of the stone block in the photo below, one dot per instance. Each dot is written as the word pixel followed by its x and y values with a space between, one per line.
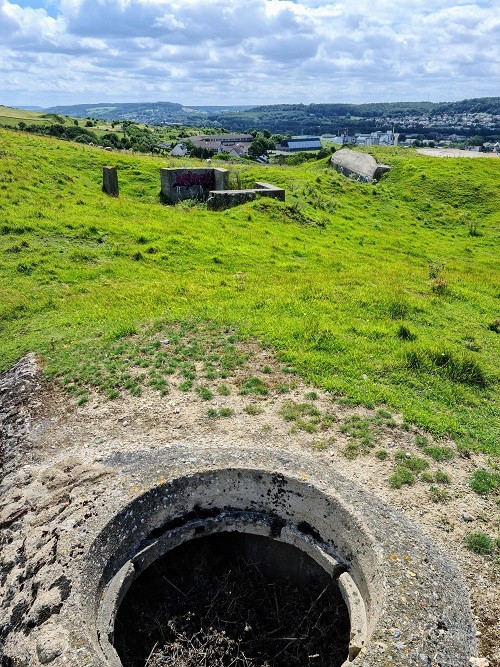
pixel 110 181
pixel 220 200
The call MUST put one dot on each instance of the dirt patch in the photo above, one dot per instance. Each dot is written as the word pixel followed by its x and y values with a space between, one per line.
pixel 454 152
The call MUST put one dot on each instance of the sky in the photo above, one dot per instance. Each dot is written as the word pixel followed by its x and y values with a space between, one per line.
pixel 229 52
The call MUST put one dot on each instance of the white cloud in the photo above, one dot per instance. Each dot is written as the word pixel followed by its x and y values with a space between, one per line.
pixel 260 51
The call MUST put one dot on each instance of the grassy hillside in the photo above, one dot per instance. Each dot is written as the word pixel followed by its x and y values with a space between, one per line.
pixel 380 294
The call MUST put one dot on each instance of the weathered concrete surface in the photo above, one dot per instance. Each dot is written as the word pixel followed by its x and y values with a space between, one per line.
pixel 269 190
pixel 361 166
pixel 220 200
pixel 110 181
pixel 71 529
pixel 17 387
pixel 179 184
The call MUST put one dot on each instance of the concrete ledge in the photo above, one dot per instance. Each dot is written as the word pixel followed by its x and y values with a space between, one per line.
pixel 223 199
pixel 269 190
pixel 219 200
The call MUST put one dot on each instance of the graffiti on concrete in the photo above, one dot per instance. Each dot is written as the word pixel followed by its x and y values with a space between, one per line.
pixel 195 183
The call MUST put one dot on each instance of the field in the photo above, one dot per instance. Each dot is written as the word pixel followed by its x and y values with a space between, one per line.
pixel 382 295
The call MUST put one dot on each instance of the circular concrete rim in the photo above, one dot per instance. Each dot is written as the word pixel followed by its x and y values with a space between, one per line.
pixel 413 585
pixel 227 522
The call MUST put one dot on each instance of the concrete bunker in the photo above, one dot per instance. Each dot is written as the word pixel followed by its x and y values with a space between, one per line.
pixel 210 185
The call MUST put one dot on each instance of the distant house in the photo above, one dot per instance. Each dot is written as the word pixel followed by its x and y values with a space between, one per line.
pixel 301 144
pixel 179 150
pixel 224 143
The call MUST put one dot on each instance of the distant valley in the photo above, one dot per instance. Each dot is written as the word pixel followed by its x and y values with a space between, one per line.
pixel 480 116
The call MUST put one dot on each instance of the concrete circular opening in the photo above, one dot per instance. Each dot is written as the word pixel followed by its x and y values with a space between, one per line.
pixel 169 548
pixel 233 599
pixel 205 528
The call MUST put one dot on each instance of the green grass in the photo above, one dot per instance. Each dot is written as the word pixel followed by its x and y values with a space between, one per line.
pixel 481 543
pixel 327 279
pixel 485 481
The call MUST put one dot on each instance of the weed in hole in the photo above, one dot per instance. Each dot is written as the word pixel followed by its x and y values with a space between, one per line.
pixel 382 454
pixel 480 543
pixel 438 495
pixel 223 390
pixel 401 477
pixel 204 393
pixel 438 453
pixel 484 482
pixel 252 409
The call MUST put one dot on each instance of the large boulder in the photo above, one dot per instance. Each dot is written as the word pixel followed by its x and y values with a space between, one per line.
pixel 360 166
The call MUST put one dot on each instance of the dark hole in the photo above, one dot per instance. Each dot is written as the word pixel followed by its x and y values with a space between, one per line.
pixel 236 600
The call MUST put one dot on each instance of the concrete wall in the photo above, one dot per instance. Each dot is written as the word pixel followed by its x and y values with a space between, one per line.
pixel 179 184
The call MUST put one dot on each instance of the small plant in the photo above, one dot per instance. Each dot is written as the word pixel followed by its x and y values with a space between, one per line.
pixel 421 441
pixel 427 477
pixel 267 370
pixel 254 385
pixel 204 393
pixel 404 333
pixel 494 326
pixel 320 445
pixel 400 477
pixel 484 482
pixel 441 477
pixel 292 411
pixel 438 495
pixel 382 454
pixel 252 409
pixel 413 463
pixel 311 396
pixel 473 228
pixel 212 413
pixel 438 453
pixel 187 385
pixel 223 390
pixel 480 543
pixel 439 286
pixel 435 269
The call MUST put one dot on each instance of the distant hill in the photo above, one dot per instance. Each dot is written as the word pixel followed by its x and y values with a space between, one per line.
pixel 421 117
